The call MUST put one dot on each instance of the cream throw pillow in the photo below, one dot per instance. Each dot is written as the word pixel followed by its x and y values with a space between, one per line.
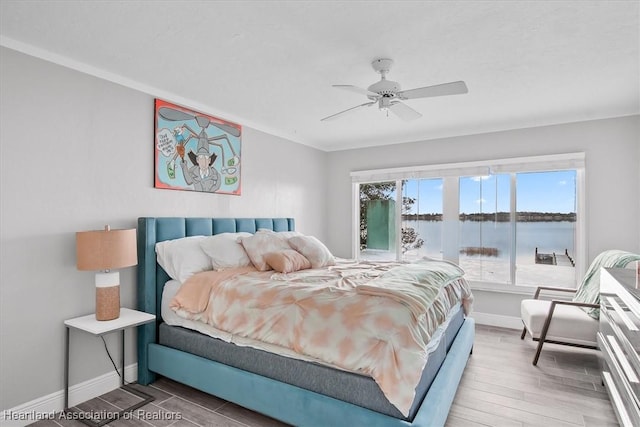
pixel 314 250
pixel 260 244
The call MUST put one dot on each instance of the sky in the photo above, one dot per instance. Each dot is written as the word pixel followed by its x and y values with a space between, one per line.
pixel 535 192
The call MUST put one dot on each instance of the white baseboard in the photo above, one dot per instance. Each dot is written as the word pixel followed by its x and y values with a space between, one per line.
pixel 497 320
pixel 44 407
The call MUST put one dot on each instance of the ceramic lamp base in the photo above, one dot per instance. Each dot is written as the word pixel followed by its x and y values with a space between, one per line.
pixel 107 296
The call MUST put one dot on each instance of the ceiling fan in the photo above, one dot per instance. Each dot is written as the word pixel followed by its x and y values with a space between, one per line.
pixel 388 94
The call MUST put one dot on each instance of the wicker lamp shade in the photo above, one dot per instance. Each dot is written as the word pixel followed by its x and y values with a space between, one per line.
pixel 105 250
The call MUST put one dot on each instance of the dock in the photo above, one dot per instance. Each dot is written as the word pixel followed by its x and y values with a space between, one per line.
pixel 561 259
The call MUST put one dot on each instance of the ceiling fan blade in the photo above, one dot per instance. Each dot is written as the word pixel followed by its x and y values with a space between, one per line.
pixel 403 111
pixel 357 89
pixel 333 116
pixel 453 88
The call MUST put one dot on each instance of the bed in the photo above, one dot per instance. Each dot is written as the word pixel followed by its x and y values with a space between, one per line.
pixel 286 400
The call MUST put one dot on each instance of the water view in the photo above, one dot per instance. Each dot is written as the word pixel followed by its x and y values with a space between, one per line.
pixel 494 264
pixel 548 237
pixel 489 259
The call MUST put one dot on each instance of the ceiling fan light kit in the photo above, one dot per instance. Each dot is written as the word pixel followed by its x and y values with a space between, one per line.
pixel 387 93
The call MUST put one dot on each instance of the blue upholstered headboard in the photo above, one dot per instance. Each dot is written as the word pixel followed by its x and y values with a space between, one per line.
pixel 151 277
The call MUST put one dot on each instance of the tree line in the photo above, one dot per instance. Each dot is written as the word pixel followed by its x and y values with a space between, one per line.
pixel 498 217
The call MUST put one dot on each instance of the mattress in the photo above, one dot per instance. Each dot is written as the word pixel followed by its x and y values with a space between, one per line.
pixel 289 367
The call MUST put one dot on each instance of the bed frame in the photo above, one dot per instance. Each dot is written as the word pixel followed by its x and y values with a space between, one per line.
pixel 290 404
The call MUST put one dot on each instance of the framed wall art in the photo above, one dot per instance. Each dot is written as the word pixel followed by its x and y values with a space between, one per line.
pixel 196 151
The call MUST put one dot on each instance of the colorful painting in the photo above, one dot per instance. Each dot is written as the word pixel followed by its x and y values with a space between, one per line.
pixel 195 151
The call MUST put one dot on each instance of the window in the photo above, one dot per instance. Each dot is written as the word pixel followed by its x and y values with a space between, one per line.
pixel 545 227
pixel 420 213
pixel 421 225
pixel 505 222
pixel 377 239
pixel 485 227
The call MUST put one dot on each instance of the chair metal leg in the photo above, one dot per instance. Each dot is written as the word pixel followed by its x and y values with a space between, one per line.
pixel 524 332
pixel 543 333
pixel 538 350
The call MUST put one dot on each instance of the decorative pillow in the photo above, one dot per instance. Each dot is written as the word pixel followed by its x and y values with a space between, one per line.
pixel 314 250
pixel 182 258
pixel 260 244
pixel 225 250
pixel 287 261
pixel 284 234
pixel 288 234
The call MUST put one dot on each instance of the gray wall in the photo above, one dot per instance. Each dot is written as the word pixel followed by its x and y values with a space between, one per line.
pixel 612 150
pixel 77 153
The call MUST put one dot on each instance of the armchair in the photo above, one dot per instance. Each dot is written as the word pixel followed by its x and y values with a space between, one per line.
pixel 570 322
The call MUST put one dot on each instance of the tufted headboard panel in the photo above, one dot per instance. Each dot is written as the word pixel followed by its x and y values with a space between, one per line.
pixel 151 277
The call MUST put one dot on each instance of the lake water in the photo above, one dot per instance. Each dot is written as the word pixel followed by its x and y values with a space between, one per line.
pixel 548 237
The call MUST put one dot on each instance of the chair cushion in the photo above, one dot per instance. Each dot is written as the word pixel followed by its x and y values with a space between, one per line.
pixel 569 323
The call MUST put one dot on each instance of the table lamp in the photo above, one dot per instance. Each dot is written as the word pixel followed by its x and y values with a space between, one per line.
pixel 103 251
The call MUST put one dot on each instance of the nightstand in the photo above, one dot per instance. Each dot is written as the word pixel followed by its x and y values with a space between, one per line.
pixel 128 319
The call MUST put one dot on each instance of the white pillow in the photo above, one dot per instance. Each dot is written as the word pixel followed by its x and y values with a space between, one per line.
pixel 314 250
pixel 288 234
pixel 182 258
pixel 225 250
pixel 260 244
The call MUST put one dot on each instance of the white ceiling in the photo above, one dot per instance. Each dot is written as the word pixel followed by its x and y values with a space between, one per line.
pixel 270 65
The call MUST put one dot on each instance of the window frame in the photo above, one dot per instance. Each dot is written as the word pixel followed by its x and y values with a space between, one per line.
pixel 450 173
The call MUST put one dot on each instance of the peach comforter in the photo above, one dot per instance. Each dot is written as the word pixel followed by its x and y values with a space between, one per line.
pixel 371 318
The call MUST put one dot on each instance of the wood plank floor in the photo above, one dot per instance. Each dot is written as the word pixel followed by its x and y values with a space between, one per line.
pixel 500 387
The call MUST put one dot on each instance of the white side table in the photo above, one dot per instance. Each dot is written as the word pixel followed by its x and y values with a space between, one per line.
pixel 128 319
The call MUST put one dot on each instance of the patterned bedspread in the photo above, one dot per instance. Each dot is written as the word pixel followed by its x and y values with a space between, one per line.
pixel 371 318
